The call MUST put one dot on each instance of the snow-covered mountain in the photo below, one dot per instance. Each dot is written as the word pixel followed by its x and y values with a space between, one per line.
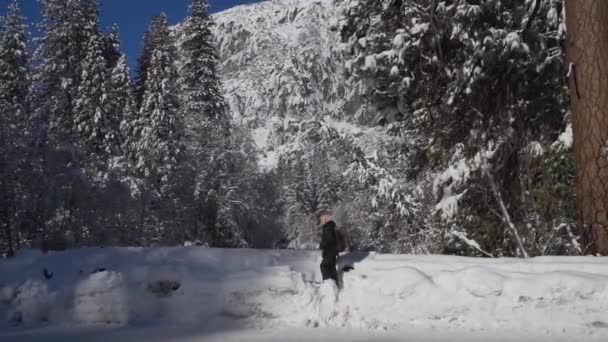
pixel 281 65
pixel 283 70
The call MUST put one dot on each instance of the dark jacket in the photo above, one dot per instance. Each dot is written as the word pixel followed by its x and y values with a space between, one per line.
pixel 329 243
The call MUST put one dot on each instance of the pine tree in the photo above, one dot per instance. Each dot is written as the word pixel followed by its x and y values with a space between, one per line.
pixel 312 186
pixel 201 97
pixel 68 28
pixel 123 106
pixel 160 116
pixel 454 81
pixel 201 87
pixel 70 98
pixel 97 124
pixel 14 83
pixel 111 47
pixel 152 39
pixel 204 108
pixel 160 149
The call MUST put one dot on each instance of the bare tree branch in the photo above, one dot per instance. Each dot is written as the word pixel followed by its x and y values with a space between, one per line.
pixel 471 243
pixel 505 213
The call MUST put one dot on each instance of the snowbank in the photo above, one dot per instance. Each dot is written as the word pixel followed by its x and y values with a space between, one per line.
pixel 281 289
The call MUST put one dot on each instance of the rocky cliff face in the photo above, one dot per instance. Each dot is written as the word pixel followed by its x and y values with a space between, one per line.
pixel 281 66
pixel 284 75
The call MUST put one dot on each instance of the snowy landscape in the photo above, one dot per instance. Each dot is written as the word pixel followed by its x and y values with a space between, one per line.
pixel 229 295
pixel 435 142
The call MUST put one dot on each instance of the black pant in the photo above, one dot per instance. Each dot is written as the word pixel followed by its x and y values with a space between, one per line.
pixel 328 271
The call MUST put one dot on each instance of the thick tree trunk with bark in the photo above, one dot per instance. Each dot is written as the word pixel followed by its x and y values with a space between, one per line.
pixel 587 50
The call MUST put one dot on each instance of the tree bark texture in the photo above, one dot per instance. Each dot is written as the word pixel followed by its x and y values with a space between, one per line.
pixel 587 53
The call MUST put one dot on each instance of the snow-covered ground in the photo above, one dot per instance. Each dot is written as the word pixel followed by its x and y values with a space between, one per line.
pixel 195 293
pixel 191 334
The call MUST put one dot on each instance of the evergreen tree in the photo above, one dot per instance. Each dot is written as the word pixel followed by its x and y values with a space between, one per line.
pixel 111 47
pixel 470 88
pixel 123 105
pixel 205 111
pixel 201 87
pixel 68 28
pixel 160 150
pixel 160 116
pixel 103 109
pixel 14 83
pixel 96 128
pixel 152 39
pixel 70 95
pixel 314 183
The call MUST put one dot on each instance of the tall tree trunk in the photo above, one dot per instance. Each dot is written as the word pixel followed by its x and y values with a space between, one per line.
pixel 9 237
pixel 142 218
pixel 587 48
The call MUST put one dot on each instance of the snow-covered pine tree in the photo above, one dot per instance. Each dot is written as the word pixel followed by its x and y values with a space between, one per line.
pixel 160 152
pixel 303 199
pixel 252 198
pixel 68 27
pixel 111 47
pixel 123 105
pixel 202 90
pixel 212 153
pixel 485 81
pixel 150 42
pixel 122 102
pixel 96 122
pixel 14 83
pixel 70 97
pixel 313 181
pixel 161 119
pixel 201 97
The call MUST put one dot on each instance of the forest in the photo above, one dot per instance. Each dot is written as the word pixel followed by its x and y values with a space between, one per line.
pixel 469 99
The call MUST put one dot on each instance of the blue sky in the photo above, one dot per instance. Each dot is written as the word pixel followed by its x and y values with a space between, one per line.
pixel 132 16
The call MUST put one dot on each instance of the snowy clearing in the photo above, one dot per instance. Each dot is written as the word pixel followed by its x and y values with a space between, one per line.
pixel 132 293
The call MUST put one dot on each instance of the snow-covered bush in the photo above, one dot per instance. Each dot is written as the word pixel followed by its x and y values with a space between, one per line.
pixel 32 303
pixel 101 298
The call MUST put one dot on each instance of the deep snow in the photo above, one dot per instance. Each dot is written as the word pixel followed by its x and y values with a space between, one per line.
pixel 268 294
pixel 181 334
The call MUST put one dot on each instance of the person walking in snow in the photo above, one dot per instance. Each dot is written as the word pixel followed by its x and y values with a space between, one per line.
pixel 329 248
